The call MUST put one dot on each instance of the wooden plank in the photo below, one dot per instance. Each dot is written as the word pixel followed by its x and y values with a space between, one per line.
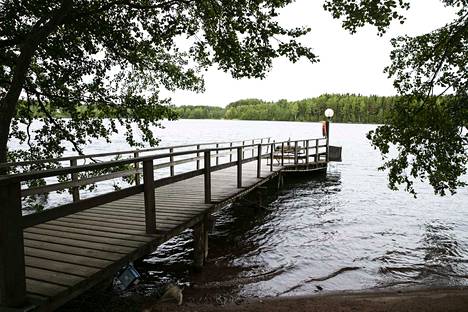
pixel 175 219
pixel 78 243
pixel 130 237
pixel 100 227
pixel 58 266
pixel 82 237
pixel 80 251
pixel 162 217
pixel 64 257
pixel 160 210
pixel 109 221
pixel 115 210
pixel 81 205
pixel 116 226
pixel 43 288
pixel 172 200
pixel 136 224
pixel 137 218
pixel 169 203
pixel 52 277
pixel 37 300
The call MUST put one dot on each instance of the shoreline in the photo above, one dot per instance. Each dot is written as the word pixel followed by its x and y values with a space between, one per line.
pixel 426 299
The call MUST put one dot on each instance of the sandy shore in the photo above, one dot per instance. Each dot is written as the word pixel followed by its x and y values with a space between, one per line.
pixel 432 300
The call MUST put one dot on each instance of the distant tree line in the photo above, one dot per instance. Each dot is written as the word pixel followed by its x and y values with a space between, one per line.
pixel 200 112
pixel 349 108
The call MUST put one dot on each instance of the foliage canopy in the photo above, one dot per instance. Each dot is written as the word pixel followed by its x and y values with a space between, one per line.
pixel 117 55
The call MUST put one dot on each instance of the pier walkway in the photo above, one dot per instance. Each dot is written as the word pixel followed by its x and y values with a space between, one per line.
pixel 52 256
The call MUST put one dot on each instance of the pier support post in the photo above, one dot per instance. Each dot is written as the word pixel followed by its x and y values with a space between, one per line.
pixel 137 167
pixel 171 160
pixel 198 157
pixel 239 166
pixel 259 161
pixel 282 153
pixel 207 176
pixel 296 147
pixel 12 267
pixel 74 177
pixel 259 198
pixel 150 201
pixel 200 240
pixel 316 151
pixel 272 155
pixel 280 181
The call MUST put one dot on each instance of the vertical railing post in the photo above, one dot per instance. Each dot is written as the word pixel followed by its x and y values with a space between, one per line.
pixel 207 180
pixel 296 147
pixel 217 156
pixel 253 149
pixel 259 160
pixel 327 149
pixel 171 160
pixel 243 153
pixel 136 165
pixel 307 151
pixel 282 153
pixel 316 150
pixel 12 265
pixel 198 157
pixel 272 152
pixel 239 166
pixel 230 152
pixel 150 201
pixel 74 177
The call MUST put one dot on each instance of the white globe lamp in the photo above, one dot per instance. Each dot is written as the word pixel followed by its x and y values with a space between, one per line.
pixel 329 113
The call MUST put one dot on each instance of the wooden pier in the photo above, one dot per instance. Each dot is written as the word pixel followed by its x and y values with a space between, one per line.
pixel 50 257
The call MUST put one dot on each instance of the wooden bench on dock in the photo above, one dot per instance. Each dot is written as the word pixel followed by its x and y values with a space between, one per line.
pixel 52 256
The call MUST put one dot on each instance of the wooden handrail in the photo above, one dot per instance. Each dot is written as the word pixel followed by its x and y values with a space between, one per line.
pixel 145 150
pixel 109 164
pixel 75 183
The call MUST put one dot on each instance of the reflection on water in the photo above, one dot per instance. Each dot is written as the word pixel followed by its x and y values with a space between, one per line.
pixel 307 238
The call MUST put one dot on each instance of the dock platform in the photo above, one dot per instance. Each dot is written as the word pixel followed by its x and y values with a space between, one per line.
pixel 50 257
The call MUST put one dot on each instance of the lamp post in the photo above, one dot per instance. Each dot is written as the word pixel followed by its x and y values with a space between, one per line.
pixel 329 114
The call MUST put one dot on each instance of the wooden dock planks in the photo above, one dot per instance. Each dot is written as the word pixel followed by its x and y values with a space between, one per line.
pixel 66 256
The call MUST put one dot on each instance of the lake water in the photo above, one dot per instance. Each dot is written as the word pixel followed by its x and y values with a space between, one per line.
pixel 342 231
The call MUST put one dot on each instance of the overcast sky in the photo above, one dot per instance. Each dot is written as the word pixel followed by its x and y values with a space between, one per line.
pixel 348 63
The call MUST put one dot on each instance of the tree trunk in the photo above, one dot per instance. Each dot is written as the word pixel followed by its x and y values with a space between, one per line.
pixel 8 104
pixel 4 130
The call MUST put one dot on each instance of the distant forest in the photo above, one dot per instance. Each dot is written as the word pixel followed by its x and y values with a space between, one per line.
pixel 349 108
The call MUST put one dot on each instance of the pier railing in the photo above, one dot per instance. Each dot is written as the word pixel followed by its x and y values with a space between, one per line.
pixel 213 158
